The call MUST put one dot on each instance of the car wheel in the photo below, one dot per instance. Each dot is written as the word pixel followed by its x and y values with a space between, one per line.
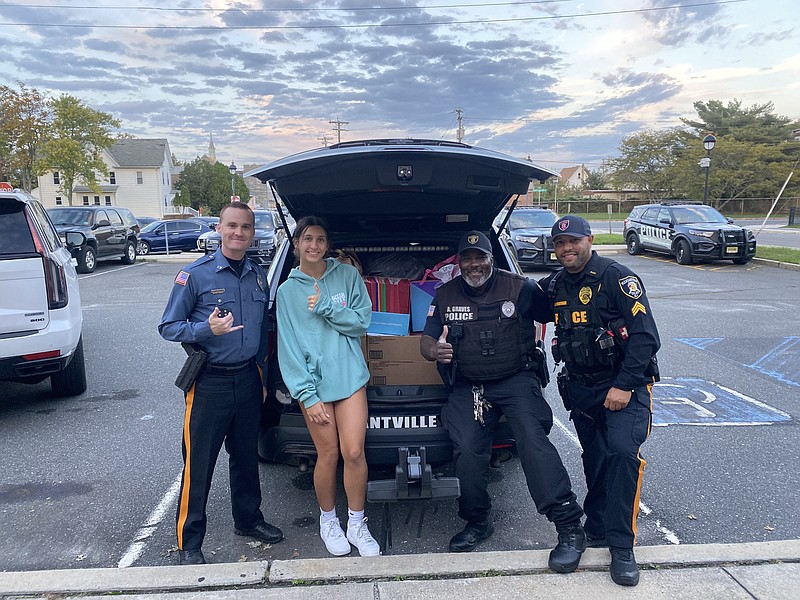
pixel 742 261
pixel 633 245
pixel 129 257
pixel 683 253
pixel 143 248
pixel 72 380
pixel 87 260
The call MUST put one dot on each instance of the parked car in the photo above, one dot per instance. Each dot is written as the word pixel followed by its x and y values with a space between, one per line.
pixel 41 320
pixel 528 233
pixel 181 235
pixel 265 240
pixel 97 233
pixel 210 222
pixel 400 206
pixel 689 231
pixel 143 221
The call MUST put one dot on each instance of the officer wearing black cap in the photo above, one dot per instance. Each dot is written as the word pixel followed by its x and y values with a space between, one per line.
pixel 606 337
pixel 218 304
pixel 481 331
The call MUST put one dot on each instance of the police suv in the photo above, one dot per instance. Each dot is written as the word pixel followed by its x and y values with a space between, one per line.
pixel 40 307
pixel 527 231
pixel 400 207
pixel 688 231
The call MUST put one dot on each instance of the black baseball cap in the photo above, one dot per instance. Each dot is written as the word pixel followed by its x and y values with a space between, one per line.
pixel 571 225
pixel 475 240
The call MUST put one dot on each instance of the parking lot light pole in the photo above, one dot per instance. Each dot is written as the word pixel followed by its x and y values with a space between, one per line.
pixel 232 169
pixel 708 144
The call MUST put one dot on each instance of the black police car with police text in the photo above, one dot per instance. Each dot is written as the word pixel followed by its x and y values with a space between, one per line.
pixel 527 230
pixel 688 231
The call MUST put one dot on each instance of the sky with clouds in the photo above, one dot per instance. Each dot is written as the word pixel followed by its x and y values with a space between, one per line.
pixel 557 80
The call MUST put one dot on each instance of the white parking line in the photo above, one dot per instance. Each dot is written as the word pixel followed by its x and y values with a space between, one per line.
pixel 668 535
pixel 111 271
pixel 146 531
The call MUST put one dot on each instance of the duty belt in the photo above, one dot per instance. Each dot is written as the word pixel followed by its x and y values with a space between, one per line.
pixel 229 368
pixel 592 379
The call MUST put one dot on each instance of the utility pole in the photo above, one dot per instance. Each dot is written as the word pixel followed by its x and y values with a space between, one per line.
pixel 338 128
pixel 460 129
pixel 324 139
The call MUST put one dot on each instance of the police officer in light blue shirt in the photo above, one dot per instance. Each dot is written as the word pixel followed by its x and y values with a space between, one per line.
pixel 218 304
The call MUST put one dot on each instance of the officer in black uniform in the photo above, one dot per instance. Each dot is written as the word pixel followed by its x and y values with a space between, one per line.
pixel 481 331
pixel 218 304
pixel 607 338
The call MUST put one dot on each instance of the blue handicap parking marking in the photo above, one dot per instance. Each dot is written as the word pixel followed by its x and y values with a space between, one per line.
pixel 695 401
pixel 777 358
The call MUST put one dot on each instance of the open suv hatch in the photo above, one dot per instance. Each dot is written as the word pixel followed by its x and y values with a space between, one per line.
pixel 401 207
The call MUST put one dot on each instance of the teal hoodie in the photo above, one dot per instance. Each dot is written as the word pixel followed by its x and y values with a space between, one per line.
pixel 319 351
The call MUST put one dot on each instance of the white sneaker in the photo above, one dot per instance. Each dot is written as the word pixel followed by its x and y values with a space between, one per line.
pixel 333 536
pixel 362 539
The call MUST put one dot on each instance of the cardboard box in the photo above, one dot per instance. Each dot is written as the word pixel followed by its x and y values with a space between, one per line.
pixel 383 372
pixel 386 323
pixel 422 293
pixel 364 346
pixel 394 348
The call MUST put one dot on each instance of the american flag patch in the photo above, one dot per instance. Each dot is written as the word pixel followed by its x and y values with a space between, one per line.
pixel 431 309
pixel 182 278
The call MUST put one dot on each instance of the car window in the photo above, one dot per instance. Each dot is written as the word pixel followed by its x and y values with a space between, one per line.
pixel 67 216
pixel 150 227
pixel 697 214
pixel 525 218
pixel 15 235
pixel 185 226
pixel 48 233
pixel 264 221
pixel 114 218
pixel 650 214
pixel 100 215
pixel 664 216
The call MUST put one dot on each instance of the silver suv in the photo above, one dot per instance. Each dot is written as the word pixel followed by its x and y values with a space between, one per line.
pixel 40 306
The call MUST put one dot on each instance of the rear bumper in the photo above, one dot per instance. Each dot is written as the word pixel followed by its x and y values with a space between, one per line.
pixel 18 369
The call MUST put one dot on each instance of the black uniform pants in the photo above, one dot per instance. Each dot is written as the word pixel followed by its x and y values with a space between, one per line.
pixel 519 398
pixel 220 407
pixel 612 462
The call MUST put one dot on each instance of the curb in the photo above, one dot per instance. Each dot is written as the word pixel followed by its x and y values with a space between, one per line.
pixel 314 572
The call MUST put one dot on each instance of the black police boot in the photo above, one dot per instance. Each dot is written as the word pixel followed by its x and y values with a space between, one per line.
pixel 566 556
pixel 472 535
pixel 191 557
pixel 624 570
pixel 269 534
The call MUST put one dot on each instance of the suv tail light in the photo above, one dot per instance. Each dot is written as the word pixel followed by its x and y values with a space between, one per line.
pixel 54 275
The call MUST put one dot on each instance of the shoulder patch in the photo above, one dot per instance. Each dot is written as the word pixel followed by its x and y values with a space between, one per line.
pixel 431 310
pixel 182 278
pixel 631 287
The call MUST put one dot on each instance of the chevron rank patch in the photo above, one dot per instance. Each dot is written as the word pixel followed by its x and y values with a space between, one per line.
pixel 631 287
pixel 637 308
pixel 182 278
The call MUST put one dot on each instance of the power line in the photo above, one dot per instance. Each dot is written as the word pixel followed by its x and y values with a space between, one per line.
pixel 375 25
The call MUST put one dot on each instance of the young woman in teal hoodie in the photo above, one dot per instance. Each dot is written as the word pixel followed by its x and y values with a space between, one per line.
pixel 323 310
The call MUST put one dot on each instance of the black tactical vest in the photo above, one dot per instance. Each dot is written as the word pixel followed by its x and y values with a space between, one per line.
pixel 584 342
pixel 490 338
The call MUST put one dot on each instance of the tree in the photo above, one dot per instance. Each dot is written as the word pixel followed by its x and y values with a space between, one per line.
pixel 182 198
pixel 210 185
pixel 597 180
pixel 76 138
pixel 648 162
pixel 24 115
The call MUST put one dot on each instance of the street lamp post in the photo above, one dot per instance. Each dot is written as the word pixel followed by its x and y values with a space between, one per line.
pixel 705 162
pixel 232 169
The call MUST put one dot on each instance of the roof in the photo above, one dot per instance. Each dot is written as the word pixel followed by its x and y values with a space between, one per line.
pixel 139 153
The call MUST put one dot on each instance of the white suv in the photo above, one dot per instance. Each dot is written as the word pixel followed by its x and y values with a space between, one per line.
pixel 40 303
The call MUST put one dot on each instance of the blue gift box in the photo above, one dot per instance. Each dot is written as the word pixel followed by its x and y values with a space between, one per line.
pixel 386 323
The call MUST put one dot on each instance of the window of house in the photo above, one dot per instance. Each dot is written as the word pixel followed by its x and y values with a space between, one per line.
pixel 112 177
pixel 56 178
pixel 139 178
pixel 58 201
pixel 86 200
pixel 97 200
pixel 108 200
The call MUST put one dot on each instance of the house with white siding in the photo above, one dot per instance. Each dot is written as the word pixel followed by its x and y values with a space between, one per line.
pixel 139 178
